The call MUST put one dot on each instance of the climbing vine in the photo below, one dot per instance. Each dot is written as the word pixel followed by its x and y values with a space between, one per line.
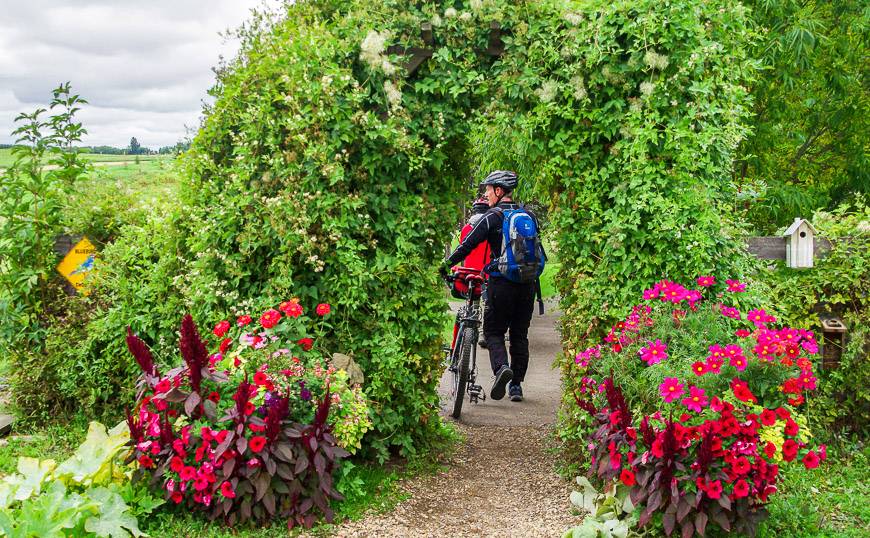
pixel 324 169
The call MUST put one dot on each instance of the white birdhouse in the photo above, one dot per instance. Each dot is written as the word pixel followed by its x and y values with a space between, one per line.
pixel 799 244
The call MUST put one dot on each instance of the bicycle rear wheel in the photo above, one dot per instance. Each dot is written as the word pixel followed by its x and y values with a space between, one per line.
pixel 464 344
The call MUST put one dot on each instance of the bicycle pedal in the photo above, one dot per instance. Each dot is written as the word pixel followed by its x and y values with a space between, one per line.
pixel 476 393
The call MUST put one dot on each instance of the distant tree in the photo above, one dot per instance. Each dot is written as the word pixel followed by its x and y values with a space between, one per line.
pixel 135 148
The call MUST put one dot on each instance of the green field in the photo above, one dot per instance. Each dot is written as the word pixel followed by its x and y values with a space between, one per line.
pixel 6 158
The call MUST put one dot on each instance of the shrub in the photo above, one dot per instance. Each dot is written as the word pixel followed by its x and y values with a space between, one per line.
pixel 697 439
pixel 245 433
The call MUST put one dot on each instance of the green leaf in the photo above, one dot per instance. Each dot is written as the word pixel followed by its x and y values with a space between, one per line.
pixel 92 462
pixel 29 481
pixel 113 520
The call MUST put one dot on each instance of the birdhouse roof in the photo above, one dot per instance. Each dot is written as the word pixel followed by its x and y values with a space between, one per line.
pixel 796 224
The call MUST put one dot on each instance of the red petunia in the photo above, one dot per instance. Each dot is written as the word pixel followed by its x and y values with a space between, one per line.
pixel 221 328
pixel 789 450
pixel 214 396
pixel 260 379
pixel 225 344
pixel 250 408
pixel 270 318
pixel 627 477
pixel 243 320
pixel 146 461
pixel 306 343
pixel 741 489
pixel 770 450
pixel 714 489
pixel 177 497
pixel 811 460
pixel 162 386
pixel 768 417
pixel 322 309
pixel 791 427
pixel 741 391
pixel 227 490
pixel 188 473
pixel 176 464
pixel 257 443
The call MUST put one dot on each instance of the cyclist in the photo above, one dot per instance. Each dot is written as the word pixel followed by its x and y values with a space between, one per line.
pixel 476 259
pixel 509 305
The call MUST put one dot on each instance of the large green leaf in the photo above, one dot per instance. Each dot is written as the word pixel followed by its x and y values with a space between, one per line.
pixel 28 481
pixel 113 520
pixel 93 461
pixel 47 515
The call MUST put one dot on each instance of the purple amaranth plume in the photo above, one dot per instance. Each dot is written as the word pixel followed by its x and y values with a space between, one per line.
pixel 277 410
pixel 137 431
pixel 322 412
pixel 242 398
pixel 141 353
pixel 193 351
pixel 616 402
pixel 646 432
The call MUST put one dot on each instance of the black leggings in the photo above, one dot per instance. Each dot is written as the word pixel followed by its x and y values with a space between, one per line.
pixel 509 307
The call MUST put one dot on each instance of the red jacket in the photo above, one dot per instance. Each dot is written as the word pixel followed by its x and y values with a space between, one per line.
pixel 478 257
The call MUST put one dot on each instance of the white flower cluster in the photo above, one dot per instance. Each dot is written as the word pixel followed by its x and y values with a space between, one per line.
pixel 654 60
pixel 465 17
pixel 372 52
pixel 579 87
pixel 547 92
pixel 573 18
pixel 647 88
pixel 863 226
pixel 450 13
pixel 394 96
pixel 436 20
pixel 476 5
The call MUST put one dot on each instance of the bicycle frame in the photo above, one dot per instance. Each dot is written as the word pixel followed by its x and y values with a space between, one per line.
pixel 469 316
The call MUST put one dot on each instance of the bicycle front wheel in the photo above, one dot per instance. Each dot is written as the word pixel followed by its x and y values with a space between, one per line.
pixel 464 344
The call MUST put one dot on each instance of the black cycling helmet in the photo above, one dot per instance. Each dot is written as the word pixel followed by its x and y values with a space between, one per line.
pixel 479 206
pixel 505 179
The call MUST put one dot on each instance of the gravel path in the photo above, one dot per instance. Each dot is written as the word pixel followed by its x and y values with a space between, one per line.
pixel 501 482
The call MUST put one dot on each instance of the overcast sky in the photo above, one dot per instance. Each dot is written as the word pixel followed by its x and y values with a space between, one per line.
pixel 144 66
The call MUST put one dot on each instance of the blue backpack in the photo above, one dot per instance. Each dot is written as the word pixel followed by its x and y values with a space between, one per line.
pixel 522 255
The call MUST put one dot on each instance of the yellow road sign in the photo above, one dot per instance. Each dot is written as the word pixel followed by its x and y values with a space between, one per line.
pixel 78 262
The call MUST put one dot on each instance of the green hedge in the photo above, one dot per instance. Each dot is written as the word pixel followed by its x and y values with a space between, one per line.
pixel 323 171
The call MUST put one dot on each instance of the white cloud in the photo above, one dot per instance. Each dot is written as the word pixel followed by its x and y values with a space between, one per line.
pixel 144 67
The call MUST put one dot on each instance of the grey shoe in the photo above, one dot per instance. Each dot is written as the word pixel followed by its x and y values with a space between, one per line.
pixel 502 377
pixel 483 343
pixel 516 392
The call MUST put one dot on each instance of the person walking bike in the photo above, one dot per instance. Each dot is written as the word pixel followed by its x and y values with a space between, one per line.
pixel 511 231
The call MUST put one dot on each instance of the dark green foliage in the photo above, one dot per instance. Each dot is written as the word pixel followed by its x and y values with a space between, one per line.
pixel 808 149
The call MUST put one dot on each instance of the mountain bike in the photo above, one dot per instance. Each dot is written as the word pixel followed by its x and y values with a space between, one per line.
pixel 461 358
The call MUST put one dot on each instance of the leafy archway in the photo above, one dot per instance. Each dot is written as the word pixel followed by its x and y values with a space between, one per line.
pixel 324 169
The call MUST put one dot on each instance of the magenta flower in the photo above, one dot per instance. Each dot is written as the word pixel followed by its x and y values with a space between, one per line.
pixel 735 286
pixel 757 317
pixel 738 361
pixel 696 400
pixel 654 353
pixel 673 292
pixel 729 312
pixel 706 281
pixel 651 293
pixel 714 364
pixel 671 389
pixel 699 368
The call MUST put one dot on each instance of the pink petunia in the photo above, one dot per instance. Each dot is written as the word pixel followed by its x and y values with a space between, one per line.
pixel 696 400
pixel 671 389
pixel 654 353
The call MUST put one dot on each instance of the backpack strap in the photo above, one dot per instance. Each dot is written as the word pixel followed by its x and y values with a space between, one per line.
pixel 540 299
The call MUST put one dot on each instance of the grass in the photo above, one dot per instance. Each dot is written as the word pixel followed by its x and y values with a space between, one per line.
pixel 833 500
pixel 6 157
pixel 57 442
